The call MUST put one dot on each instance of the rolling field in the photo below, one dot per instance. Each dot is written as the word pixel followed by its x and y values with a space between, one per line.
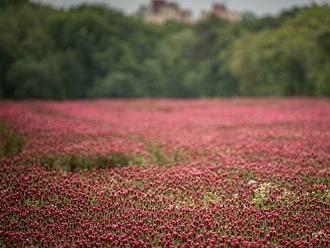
pixel 165 173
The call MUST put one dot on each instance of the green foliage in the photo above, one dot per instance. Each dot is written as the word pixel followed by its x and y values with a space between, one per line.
pixel 211 197
pixel 316 180
pixel 292 60
pixel 93 51
pixel 8 3
pixel 37 204
pixel 271 196
pixel 139 184
pixel 159 156
pixel 261 196
pixel 118 84
pixel 323 82
pixel 11 142
pixel 79 162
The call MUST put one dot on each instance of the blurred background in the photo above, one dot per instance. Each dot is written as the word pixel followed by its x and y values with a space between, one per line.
pixel 180 49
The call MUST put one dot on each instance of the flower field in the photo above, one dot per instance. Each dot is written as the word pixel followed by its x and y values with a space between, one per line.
pixel 165 173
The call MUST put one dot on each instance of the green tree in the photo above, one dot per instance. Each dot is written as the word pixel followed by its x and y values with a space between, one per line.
pixel 118 84
pixel 287 61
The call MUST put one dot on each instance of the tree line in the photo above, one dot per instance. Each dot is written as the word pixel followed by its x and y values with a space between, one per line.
pixel 93 51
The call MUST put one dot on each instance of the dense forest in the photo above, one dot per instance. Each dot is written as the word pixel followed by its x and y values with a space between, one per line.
pixel 93 51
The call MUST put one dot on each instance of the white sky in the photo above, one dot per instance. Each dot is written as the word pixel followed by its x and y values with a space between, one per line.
pixel 259 7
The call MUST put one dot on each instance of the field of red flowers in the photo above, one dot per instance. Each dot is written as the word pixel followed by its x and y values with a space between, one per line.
pixel 165 173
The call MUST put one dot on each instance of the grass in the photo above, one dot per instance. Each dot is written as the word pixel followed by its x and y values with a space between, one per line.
pixel 316 180
pixel 11 142
pixel 165 159
pixel 74 163
pixel 158 155
pixel 211 197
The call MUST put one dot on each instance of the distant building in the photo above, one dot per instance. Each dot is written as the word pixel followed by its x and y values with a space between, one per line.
pixel 160 11
pixel 221 11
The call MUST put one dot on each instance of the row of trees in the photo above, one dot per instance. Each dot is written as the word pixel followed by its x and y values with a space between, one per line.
pixel 294 59
pixel 93 51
